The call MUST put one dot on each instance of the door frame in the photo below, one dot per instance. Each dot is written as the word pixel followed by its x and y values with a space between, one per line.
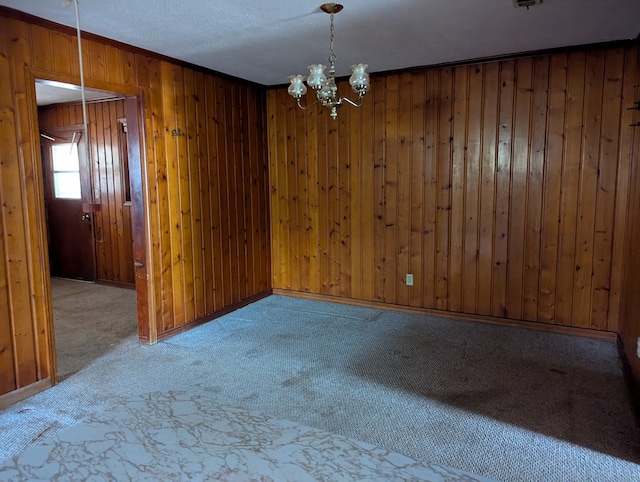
pixel 142 245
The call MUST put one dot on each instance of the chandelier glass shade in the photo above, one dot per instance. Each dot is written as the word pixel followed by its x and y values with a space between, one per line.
pixel 325 86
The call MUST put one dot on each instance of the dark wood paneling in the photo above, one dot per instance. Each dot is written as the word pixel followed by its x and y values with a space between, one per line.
pixel 199 197
pixel 113 235
pixel 497 185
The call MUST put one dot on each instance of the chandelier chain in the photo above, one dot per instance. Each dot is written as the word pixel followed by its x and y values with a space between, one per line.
pixel 332 55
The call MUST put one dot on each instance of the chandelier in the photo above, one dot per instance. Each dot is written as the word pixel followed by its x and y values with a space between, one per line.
pixel 325 87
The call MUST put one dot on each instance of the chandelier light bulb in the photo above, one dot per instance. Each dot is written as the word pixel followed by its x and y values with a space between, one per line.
pixel 325 87
pixel 359 79
pixel 297 88
pixel 316 76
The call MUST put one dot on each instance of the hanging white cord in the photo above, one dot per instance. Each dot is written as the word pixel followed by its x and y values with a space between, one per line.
pixel 84 103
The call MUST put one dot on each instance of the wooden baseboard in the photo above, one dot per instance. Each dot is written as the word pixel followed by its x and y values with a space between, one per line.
pixel 212 316
pixel 117 284
pixel 532 325
pixel 25 392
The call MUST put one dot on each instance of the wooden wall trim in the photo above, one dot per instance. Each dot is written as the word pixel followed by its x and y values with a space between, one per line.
pixel 212 316
pixel 25 392
pixel 546 327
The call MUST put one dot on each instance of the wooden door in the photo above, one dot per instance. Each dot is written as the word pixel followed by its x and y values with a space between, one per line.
pixel 67 187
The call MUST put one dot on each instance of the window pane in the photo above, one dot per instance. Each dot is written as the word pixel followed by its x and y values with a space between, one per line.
pixel 66 185
pixel 65 157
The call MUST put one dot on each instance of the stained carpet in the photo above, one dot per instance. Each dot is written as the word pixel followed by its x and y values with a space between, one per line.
pixel 506 403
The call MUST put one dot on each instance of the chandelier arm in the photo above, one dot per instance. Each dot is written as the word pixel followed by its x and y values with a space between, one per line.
pixel 357 103
pixel 305 107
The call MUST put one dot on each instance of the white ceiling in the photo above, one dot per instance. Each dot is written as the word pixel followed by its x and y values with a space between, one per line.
pixel 266 41
pixel 56 92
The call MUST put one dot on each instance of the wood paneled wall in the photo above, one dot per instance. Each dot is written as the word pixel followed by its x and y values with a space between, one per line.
pixel 629 328
pixel 113 236
pixel 502 187
pixel 205 195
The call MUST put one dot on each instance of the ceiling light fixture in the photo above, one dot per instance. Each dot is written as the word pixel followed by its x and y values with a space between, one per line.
pixel 325 87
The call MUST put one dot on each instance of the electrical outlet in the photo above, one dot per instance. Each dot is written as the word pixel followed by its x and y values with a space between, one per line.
pixel 409 281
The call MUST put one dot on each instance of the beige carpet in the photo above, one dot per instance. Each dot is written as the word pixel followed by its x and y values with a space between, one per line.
pixel 505 403
pixel 89 319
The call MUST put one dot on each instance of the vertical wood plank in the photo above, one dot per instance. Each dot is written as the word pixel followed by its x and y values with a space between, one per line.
pixel 430 190
pixel 208 192
pixel 303 212
pixel 335 242
pixel 553 165
pixel 368 169
pixel 519 187
pixel 535 188
pixel 274 142
pixel 458 171
pixel 281 250
pixel 502 207
pixel 252 199
pixel 171 286
pixel 114 64
pixel 193 243
pixel 96 67
pixel 325 205
pixel 589 172
pixel 443 216
pixel 63 52
pixel 404 185
pixel 41 48
pixel 391 276
pixel 313 182
pixel 379 187
pixel 233 114
pixel 293 281
pixel 215 152
pixel 417 173
pixel 606 187
pixel 570 187
pixel 355 203
pixel 344 205
pixel 223 184
pixel 472 188
pixel 487 189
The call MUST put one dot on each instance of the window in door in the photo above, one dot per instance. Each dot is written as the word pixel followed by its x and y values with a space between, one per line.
pixel 66 171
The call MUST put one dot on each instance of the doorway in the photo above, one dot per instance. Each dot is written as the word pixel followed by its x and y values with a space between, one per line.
pixel 66 190
pixel 88 205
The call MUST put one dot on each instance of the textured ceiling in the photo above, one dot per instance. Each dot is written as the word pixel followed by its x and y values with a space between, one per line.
pixel 57 92
pixel 266 41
